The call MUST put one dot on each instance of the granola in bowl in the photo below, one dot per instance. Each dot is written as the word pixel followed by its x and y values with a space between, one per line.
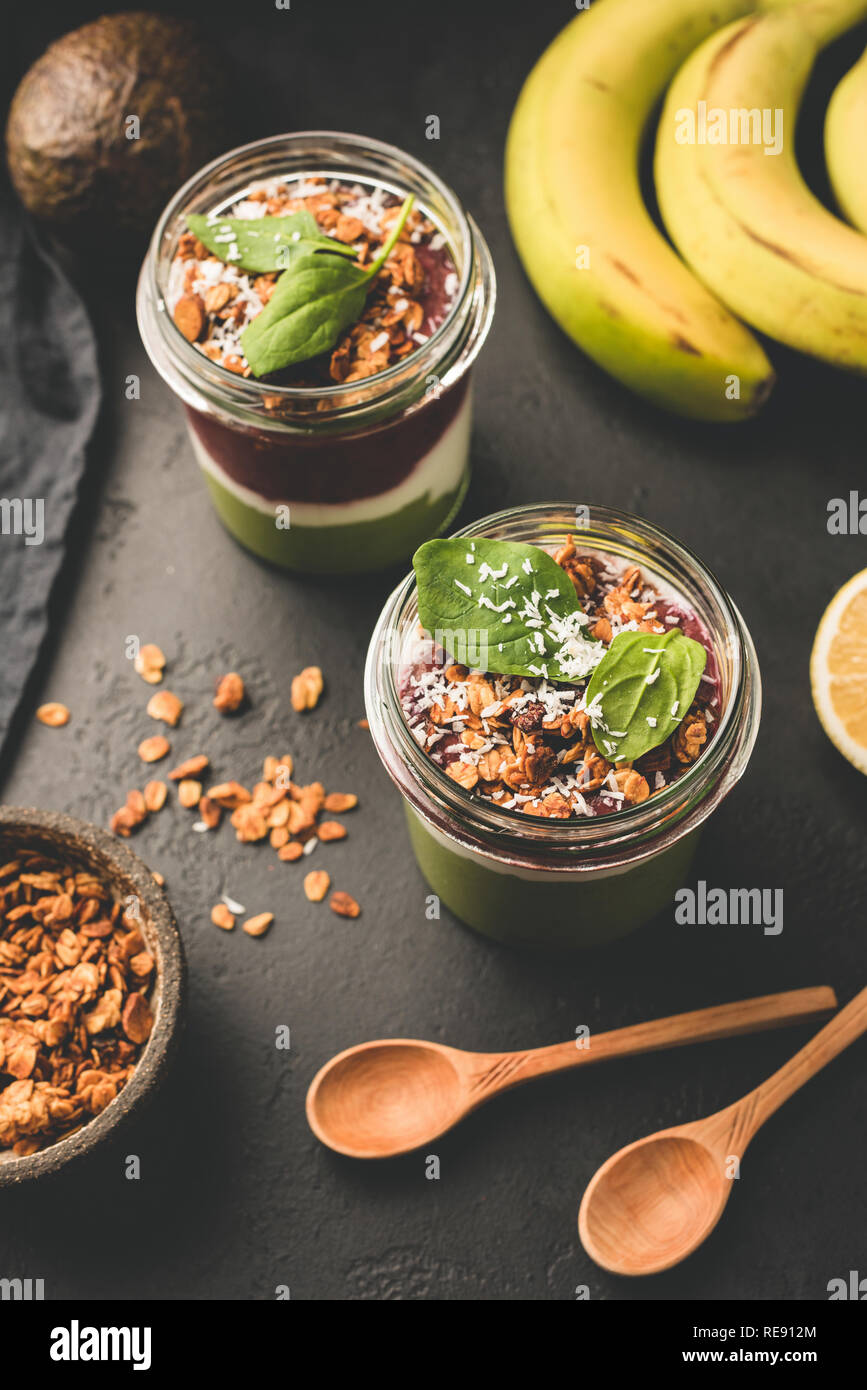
pixel 91 988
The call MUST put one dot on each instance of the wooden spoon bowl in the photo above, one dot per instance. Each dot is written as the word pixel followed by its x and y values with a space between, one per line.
pixel 389 1097
pixel 652 1203
pixel 392 1095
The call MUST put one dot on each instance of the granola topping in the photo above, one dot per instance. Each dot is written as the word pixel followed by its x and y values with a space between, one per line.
pixel 213 300
pixel 526 744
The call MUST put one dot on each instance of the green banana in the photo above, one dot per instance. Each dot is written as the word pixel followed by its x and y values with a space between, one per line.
pixel 588 244
pixel 746 222
pixel 845 134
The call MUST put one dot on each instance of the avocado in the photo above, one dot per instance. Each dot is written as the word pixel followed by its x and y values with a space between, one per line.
pixel 80 163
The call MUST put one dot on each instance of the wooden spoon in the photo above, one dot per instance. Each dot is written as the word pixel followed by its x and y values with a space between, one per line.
pixel 388 1097
pixel 654 1202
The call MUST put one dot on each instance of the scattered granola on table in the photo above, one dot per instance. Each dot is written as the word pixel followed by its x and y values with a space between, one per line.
pixel 151 750
pixel 306 689
pixel 189 793
pixel 53 714
pixel 344 905
pixel 316 885
pixel 287 813
pixel 230 693
pixel 75 975
pixel 166 707
pixel 258 925
pixel 541 745
pixel 291 816
pixel 155 796
pixel 150 663
pixel 190 767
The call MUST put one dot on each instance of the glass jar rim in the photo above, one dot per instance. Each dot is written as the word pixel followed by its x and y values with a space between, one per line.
pixel 384 385
pixel 636 832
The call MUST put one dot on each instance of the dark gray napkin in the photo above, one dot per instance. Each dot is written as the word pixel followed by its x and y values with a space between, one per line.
pixel 49 399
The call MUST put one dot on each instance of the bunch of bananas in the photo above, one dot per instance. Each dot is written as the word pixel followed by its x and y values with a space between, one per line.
pixel 756 247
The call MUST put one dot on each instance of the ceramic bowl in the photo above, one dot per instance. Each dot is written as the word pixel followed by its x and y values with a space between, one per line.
pixel 76 842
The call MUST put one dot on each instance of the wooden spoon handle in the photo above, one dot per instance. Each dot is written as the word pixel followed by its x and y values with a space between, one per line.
pixel 842 1030
pixel 700 1025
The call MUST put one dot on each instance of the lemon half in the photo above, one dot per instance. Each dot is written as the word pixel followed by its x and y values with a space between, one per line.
pixel 838 671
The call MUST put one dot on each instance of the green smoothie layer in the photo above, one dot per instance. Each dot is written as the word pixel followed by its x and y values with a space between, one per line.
pixel 580 911
pixel 351 548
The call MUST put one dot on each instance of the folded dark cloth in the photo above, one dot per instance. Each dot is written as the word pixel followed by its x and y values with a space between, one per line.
pixel 49 399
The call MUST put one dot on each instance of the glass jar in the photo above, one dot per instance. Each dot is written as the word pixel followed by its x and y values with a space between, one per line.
pixel 340 478
pixel 555 883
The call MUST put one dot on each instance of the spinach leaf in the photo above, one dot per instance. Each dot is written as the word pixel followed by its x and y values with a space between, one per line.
pixel 503 607
pixel 314 300
pixel 645 684
pixel 264 244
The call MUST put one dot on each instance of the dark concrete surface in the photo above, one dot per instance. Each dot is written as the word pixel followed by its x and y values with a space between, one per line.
pixel 236 1197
